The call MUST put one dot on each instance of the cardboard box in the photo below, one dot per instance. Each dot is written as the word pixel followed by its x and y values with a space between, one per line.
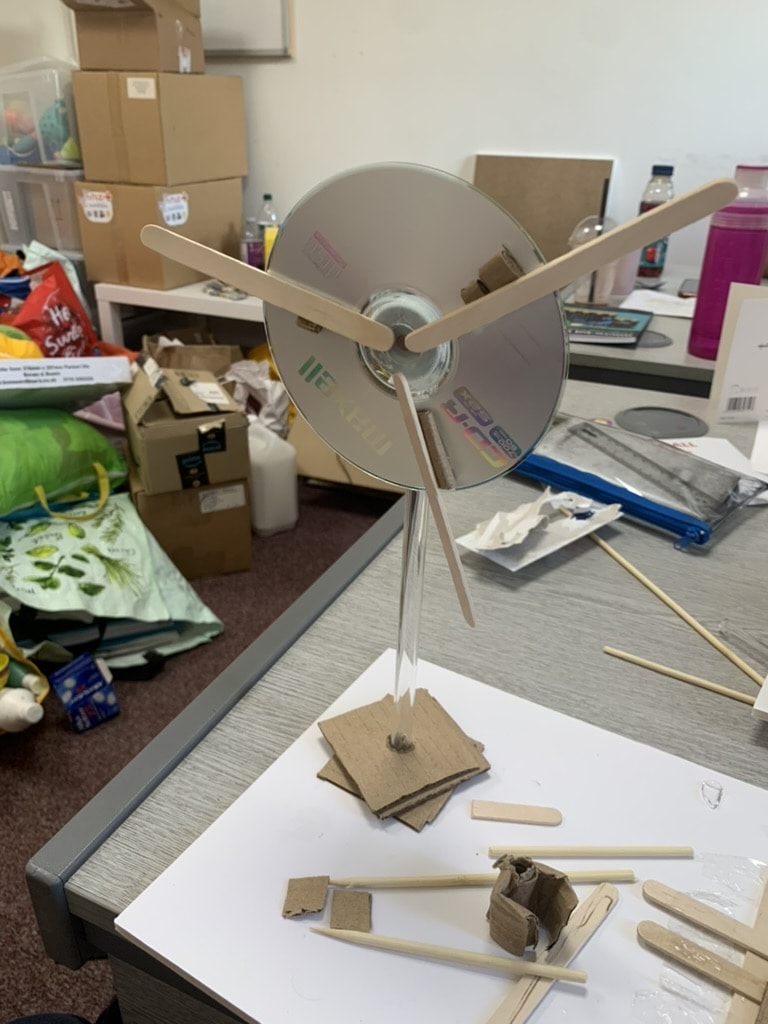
pixel 111 218
pixel 217 359
pixel 160 128
pixel 205 532
pixel 141 35
pixel 317 460
pixel 61 383
pixel 184 430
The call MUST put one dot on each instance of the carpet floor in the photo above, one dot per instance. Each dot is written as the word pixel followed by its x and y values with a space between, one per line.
pixel 49 772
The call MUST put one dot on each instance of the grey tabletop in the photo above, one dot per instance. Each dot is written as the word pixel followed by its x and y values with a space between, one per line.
pixel 540 635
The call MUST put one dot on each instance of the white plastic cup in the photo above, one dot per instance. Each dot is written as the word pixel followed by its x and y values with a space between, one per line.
pixel 272 481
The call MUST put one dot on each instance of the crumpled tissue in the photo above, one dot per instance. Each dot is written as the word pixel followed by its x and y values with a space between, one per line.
pixel 531 531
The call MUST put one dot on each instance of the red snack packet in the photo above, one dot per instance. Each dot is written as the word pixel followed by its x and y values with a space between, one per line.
pixel 53 316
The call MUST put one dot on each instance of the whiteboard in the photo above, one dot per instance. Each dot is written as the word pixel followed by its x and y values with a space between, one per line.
pixel 247 28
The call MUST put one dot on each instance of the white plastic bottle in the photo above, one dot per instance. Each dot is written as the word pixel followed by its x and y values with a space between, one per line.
pixel 273 482
pixel 18 709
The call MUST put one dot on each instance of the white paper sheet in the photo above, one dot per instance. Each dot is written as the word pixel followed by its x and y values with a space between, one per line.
pixel 215 914
pixel 659 303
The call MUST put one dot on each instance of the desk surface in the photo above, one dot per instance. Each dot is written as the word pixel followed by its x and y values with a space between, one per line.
pixel 190 298
pixel 540 636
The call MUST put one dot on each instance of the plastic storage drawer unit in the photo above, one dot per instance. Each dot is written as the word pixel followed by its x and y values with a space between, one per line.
pixel 39 203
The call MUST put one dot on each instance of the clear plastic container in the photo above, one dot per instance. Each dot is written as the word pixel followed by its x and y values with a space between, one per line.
pixel 736 251
pixel 38 203
pixel 273 481
pixel 658 190
pixel 37 117
pixel 267 221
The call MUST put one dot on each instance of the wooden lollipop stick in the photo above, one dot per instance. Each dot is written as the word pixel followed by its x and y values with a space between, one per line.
pixel 684 677
pixel 660 852
pixel 526 994
pixel 706 917
pixel 466 881
pixel 552 276
pixel 516 968
pixel 690 954
pixel 520 814
pixel 679 610
pixel 271 287
pixel 421 455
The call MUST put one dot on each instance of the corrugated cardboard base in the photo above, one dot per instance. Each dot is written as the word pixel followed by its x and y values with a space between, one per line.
pixel 395 782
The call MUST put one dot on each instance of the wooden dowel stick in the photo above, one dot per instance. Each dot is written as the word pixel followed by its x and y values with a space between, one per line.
pixel 661 852
pixel 515 968
pixel 466 881
pixel 679 610
pixel 684 677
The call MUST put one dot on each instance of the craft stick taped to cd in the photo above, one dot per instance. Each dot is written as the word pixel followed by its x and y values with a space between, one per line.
pixel 377 239
pixel 311 306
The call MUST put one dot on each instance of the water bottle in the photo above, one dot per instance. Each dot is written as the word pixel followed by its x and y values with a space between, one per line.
pixel 736 250
pixel 267 223
pixel 658 190
pixel 249 243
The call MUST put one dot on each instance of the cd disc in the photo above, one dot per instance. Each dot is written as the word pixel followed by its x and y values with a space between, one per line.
pixel 399 242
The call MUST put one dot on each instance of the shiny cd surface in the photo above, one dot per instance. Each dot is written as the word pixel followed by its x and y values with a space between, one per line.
pixel 399 242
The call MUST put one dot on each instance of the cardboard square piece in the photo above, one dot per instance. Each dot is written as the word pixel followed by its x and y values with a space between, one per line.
pixel 351 910
pixel 390 781
pixel 305 895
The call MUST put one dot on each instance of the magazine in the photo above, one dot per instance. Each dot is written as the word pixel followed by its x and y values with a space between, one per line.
pixel 604 325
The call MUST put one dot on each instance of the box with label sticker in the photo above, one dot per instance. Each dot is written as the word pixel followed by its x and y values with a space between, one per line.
pixel 205 531
pixel 184 430
pixel 111 218
pixel 145 129
pixel 139 35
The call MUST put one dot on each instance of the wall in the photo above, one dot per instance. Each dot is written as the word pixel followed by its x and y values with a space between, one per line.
pixel 35 28
pixel 436 81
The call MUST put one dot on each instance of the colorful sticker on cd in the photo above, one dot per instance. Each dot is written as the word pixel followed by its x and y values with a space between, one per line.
pixel 496 447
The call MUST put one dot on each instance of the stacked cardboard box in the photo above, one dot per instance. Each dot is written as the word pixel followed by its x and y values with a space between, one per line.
pixel 188 456
pixel 162 142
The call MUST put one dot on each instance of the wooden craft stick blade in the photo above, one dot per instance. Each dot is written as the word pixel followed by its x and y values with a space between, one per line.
pixel 551 277
pixel 270 287
pixel 704 962
pixel 711 920
pixel 415 436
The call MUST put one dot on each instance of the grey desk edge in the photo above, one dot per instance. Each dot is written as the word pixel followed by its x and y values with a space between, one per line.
pixel 50 868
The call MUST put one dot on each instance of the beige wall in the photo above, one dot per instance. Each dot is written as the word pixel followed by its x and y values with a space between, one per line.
pixel 438 81
pixel 35 28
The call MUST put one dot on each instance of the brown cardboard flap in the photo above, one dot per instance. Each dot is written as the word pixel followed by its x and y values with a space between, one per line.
pixel 195 392
pixel 547 195
pixel 189 392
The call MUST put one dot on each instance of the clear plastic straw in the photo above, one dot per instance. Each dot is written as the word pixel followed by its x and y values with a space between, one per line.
pixel 411 591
